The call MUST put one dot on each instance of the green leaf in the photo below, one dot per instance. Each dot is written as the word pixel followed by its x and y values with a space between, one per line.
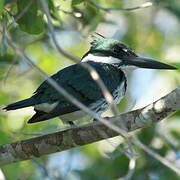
pixel 91 16
pixel 76 2
pixel 32 21
pixel 51 5
pixel 1 7
pixel 53 10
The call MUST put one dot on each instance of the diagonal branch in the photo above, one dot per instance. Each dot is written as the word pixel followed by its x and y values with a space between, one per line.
pixel 67 139
pixel 108 9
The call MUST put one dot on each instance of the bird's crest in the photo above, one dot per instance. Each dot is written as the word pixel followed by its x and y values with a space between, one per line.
pixel 97 40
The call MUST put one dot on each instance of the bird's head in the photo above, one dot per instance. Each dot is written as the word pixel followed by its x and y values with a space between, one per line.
pixel 111 51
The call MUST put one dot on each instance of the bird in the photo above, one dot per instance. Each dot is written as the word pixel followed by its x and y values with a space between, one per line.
pixel 110 58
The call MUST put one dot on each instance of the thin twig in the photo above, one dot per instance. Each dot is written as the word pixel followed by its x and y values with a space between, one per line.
pixel 131 155
pixel 144 5
pixel 43 168
pixel 9 70
pixel 51 29
pixel 132 165
pixel 156 156
pixel 73 14
pixel 21 14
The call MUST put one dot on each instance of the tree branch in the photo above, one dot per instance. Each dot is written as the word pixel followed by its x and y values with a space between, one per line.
pixel 67 139
pixel 144 5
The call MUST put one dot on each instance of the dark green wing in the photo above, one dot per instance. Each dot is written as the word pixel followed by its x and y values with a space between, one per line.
pixel 77 81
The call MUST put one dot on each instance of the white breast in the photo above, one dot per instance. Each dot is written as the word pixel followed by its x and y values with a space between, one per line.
pixel 119 93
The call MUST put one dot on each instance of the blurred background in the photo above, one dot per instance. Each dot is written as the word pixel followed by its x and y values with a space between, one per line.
pixel 152 31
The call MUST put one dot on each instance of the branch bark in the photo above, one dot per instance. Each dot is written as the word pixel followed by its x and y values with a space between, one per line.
pixel 78 136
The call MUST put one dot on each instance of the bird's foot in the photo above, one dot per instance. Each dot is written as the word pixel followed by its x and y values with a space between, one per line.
pixel 106 118
pixel 71 123
pixel 95 120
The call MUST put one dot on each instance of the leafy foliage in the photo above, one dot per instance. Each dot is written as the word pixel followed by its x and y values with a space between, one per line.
pixel 31 22
pixel 76 2
pixel 1 7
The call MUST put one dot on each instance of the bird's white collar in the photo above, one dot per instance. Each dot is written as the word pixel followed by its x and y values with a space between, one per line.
pixel 101 59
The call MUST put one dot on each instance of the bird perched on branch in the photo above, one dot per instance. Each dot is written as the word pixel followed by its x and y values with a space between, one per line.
pixel 108 57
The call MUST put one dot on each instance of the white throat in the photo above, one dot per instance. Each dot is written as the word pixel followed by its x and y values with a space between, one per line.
pixel 108 60
pixel 128 69
pixel 100 59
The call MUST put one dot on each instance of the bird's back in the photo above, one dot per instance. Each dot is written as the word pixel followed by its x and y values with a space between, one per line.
pixel 77 81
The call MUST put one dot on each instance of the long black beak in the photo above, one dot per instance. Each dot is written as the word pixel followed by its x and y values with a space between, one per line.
pixel 146 63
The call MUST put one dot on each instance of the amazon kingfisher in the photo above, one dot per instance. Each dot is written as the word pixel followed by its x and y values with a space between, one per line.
pixel 110 58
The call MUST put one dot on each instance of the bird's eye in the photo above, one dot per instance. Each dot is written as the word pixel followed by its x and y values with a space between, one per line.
pixel 116 49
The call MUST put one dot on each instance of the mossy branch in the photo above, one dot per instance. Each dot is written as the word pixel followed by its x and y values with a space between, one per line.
pixel 78 136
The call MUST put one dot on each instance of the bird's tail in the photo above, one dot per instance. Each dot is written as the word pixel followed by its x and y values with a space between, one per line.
pixel 20 104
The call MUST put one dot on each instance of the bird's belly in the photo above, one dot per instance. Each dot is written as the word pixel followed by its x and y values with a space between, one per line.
pixel 101 105
pixel 98 107
pixel 119 93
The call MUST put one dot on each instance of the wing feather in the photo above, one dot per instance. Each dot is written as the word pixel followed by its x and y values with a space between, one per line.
pixel 77 81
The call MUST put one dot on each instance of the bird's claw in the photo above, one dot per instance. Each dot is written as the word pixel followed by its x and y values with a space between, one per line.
pixel 71 123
